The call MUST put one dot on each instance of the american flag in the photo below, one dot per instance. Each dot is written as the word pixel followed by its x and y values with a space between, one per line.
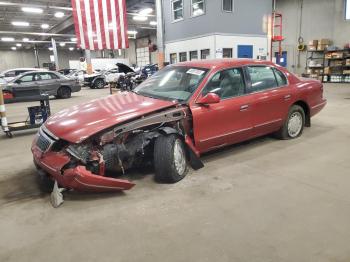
pixel 100 24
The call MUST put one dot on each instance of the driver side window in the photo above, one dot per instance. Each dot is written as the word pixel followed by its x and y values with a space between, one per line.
pixel 226 84
pixel 27 78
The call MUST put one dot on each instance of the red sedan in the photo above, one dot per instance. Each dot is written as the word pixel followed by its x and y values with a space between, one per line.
pixel 171 119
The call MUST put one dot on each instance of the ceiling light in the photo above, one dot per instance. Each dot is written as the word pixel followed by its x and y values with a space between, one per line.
pixel 7 39
pixel 153 23
pixel 14 48
pixel 71 48
pixel 132 32
pixel 62 44
pixel 59 14
pixel 146 11
pixel 32 10
pixel 140 18
pixel 50 48
pixel 18 23
pixel 19 45
pixel 45 26
pixel 73 39
pixel 25 39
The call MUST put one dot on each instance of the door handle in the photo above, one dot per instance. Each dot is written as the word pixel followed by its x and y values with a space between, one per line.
pixel 244 107
pixel 287 97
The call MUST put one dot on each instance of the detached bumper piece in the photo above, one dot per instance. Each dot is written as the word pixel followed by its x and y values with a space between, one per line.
pixel 77 178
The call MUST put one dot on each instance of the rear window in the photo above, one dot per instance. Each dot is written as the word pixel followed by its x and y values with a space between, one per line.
pixel 262 77
pixel 280 77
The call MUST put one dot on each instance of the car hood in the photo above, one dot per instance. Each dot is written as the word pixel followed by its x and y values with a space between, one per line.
pixel 77 123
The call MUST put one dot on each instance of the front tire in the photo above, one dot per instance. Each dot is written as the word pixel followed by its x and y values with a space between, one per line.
pixel 45 182
pixel 99 84
pixel 170 161
pixel 294 125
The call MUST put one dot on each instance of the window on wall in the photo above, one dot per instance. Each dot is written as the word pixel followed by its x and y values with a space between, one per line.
pixel 197 7
pixel 347 9
pixel 227 52
pixel 227 5
pixel 177 10
pixel 193 55
pixel 205 53
pixel 183 56
pixel 173 58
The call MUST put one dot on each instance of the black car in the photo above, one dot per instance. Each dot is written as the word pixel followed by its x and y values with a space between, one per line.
pixel 98 79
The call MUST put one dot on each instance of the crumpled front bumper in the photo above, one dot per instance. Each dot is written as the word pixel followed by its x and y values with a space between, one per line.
pixel 77 178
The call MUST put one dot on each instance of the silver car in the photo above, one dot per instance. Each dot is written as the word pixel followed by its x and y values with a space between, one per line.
pixel 42 82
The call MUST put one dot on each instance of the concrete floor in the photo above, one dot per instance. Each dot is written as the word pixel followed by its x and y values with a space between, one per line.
pixel 266 200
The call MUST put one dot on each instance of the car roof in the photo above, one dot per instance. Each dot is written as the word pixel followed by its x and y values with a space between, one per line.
pixel 224 62
pixel 24 68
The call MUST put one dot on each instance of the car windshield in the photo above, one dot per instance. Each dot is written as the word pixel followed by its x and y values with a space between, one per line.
pixel 172 83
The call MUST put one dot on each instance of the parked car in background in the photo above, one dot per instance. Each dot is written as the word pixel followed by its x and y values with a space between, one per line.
pixel 10 74
pixel 42 82
pixel 77 75
pixel 172 118
pixel 100 79
pixel 67 71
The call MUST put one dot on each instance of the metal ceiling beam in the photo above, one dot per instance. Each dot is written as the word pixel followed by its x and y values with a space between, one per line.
pixel 35 5
pixel 35 33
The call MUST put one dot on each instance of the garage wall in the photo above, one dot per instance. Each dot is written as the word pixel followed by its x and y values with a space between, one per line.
pixel 26 58
pixel 320 19
pixel 247 18
pixel 217 41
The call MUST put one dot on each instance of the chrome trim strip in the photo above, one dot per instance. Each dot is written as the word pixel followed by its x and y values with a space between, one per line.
pixel 227 134
pixel 96 186
pixel 270 122
pixel 323 103
pixel 44 129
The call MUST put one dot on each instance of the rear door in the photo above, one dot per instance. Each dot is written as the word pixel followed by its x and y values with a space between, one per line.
pixel 228 121
pixel 271 96
pixel 48 83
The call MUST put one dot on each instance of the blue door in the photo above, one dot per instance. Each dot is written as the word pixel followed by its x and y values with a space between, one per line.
pixel 281 60
pixel 245 51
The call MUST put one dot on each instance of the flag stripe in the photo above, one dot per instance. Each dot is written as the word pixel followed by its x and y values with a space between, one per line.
pixel 100 24
pixel 117 9
pixel 97 24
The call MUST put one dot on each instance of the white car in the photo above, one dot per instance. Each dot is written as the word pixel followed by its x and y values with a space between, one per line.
pixel 10 74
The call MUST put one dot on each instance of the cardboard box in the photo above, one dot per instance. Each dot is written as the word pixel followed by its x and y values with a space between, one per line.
pixel 346 72
pixel 324 41
pixel 312 48
pixel 347 61
pixel 327 71
pixel 321 47
pixel 337 55
pixel 313 42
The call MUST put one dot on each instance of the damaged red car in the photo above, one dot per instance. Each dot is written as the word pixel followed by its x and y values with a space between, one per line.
pixel 172 118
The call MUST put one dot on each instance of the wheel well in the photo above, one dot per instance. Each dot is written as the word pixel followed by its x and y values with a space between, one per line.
pixel 306 110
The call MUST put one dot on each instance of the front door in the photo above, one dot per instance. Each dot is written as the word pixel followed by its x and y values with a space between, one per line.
pixel 24 86
pixel 228 121
pixel 271 97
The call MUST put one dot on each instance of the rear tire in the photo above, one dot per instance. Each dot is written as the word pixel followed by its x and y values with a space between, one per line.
pixel 99 84
pixel 294 125
pixel 64 92
pixel 170 161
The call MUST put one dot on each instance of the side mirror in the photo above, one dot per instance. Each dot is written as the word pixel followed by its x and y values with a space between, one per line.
pixel 210 98
pixel 18 81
